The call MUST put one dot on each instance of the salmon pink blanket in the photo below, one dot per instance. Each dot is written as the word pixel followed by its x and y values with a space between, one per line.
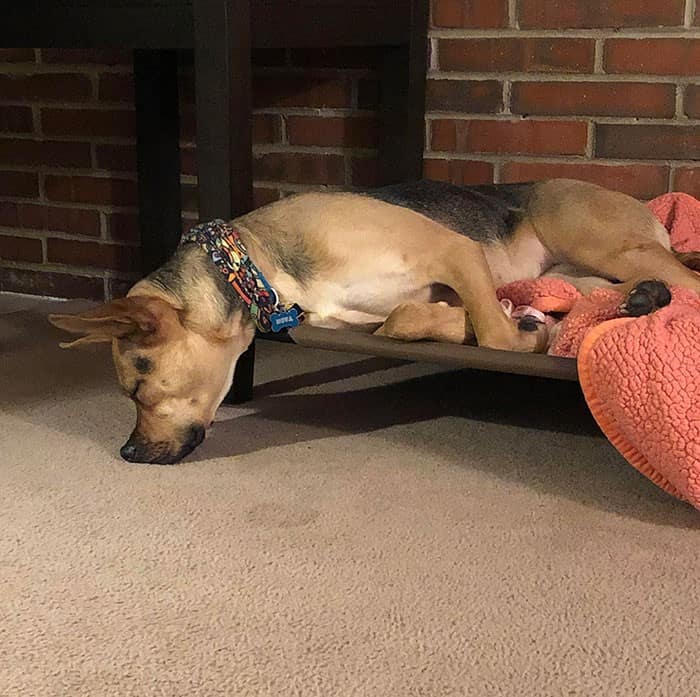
pixel 640 376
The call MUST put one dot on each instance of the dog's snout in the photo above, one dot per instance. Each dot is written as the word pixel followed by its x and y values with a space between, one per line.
pixel 196 435
pixel 136 449
pixel 128 452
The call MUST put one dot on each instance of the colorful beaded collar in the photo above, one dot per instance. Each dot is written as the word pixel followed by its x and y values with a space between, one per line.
pixel 226 249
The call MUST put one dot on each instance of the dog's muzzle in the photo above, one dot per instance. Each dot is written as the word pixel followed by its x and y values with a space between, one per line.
pixel 138 450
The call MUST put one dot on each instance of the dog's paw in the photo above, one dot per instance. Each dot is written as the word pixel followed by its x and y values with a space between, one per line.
pixel 408 322
pixel 646 297
pixel 528 324
pixel 533 335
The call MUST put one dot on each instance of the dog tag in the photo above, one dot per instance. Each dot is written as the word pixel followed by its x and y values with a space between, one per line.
pixel 285 320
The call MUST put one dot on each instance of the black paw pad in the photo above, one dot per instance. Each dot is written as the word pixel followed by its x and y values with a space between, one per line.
pixel 646 297
pixel 528 324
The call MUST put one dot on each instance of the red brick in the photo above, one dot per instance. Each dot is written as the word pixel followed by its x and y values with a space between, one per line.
pixel 99 191
pixel 352 132
pixel 22 215
pixel 263 196
pixel 89 122
pixel 44 152
pixel 691 101
pixel 73 220
pixel 365 171
pixel 470 14
pixel 105 256
pixel 458 171
pixel 20 249
pixel 19 184
pixel 267 128
pixel 528 137
pixel 300 168
pixel 474 96
pixel 16 119
pixel 78 56
pixel 42 217
pixel 653 56
pixel 63 87
pixel 116 87
pixel 123 227
pixel 357 57
pixel 16 55
pixel 292 91
pixel 594 98
pixel 57 285
pixel 648 142
pixel 517 55
pixel 687 179
pixel 640 181
pixel 590 14
pixel 117 158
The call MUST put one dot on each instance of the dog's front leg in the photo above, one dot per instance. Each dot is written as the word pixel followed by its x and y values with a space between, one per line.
pixel 414 321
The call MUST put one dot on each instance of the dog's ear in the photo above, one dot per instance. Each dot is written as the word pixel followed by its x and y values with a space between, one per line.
pixel 134 318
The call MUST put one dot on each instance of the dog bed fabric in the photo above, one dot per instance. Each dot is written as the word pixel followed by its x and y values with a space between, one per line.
pixel 640 376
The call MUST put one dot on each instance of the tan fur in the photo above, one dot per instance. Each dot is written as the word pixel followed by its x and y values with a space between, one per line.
pixel 189 366
pixel 353 261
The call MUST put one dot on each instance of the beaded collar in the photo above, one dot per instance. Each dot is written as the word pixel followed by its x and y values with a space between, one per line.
pixel 226 249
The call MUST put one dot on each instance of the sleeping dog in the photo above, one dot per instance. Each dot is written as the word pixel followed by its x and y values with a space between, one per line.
pixel 411 261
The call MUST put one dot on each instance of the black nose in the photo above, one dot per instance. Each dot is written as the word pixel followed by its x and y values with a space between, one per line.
pixel 128 452
pixel 195 435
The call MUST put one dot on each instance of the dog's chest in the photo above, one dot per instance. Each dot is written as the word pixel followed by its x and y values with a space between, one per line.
pixel 367 299
pixel 362 295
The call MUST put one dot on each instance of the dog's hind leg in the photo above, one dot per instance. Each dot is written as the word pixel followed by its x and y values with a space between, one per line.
pixel 462 266
pixel 607 233
pixel 581 280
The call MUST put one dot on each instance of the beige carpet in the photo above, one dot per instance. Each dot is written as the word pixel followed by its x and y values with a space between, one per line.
pixel 362 528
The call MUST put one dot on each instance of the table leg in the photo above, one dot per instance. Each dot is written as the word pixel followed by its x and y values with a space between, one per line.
pixel 402 103
pixel 158 154
pixel 223 69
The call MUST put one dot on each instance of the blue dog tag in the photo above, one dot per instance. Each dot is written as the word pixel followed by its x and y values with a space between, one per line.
pixel 285 320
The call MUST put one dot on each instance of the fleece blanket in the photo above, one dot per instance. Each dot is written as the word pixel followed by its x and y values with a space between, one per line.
pixel 640 376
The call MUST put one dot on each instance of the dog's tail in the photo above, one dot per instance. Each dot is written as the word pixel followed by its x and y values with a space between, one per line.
pixel 689 259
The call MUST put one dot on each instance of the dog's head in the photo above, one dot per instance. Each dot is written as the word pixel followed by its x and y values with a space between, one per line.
pixel 176 374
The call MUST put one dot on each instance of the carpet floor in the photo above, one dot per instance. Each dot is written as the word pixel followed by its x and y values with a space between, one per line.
pixel 362 528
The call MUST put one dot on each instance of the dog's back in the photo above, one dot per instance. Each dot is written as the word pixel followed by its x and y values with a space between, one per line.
pixel 485 213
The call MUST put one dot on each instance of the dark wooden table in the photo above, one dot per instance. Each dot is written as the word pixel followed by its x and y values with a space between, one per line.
pixel 223 34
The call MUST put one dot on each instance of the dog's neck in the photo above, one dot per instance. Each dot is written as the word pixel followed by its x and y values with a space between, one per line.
pixel 191 283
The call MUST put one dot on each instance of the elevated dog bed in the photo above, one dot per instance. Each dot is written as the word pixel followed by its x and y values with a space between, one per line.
pixel 640 376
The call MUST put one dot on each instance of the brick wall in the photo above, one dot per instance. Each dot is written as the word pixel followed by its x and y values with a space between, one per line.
pixel 68 216
pixel 517 90
pixel 593 89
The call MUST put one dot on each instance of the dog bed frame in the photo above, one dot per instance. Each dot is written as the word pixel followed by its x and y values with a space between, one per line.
pixel 452 355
